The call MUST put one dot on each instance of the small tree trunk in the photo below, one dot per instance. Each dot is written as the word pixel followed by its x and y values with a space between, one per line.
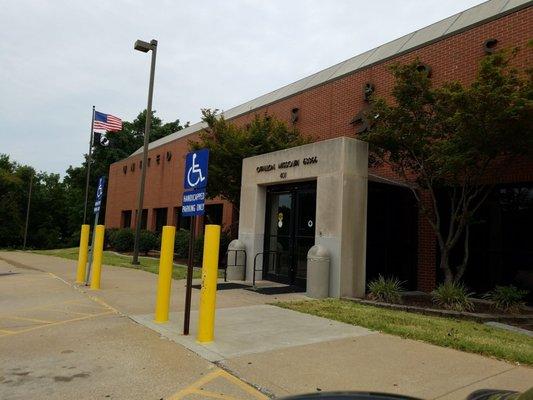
pixel 445 266
pixel 462 267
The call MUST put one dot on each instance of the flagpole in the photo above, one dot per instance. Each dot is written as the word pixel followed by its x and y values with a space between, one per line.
pixel 88 169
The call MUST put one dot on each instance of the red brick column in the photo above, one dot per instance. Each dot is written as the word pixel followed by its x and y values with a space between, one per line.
pixel 427 249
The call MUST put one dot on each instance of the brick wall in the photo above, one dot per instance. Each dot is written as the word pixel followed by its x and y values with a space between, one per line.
pixel 326 112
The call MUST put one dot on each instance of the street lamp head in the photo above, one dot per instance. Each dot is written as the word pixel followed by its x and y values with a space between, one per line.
pixel 143 46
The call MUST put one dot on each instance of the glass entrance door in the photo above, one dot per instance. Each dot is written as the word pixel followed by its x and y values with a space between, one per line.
pixel 289 232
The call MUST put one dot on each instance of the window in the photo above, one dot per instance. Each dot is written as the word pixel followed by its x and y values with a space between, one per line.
pixel 180 221
pixel 213 214
pixel 144 218
pixel 125 219
pixel 160 215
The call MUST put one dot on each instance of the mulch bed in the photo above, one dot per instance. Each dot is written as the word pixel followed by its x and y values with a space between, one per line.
pixel 480 306
pixel 422 303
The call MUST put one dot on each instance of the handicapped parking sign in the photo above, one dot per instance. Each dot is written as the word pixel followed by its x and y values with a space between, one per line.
pixel 196 169
pixel 99 194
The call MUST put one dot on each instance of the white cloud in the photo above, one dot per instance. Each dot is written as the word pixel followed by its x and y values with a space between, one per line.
pixel 59 58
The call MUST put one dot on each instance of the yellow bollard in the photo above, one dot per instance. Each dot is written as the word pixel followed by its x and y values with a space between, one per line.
pixel 208 292
pixel 164 282
pixel 98 254
pixel 83 252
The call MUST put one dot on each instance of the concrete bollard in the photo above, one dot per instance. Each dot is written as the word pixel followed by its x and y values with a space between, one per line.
pixel 98 255
pixel 318 260
pixel 164 281
pixel 236 261
pixel 208 292
pixel 83 253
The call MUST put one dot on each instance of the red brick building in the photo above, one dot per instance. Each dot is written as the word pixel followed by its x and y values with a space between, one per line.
pixel 325 105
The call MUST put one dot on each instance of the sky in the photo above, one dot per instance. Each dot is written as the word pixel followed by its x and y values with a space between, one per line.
pixel 58 58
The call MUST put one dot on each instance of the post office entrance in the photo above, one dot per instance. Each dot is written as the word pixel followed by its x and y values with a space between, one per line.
pixel 289 232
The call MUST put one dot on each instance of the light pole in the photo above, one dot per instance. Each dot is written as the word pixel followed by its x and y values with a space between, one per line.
pixel 145 48
pixel 27 213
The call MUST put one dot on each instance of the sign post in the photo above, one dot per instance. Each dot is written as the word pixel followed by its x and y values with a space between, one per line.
pixel 193 204
pixel 97 204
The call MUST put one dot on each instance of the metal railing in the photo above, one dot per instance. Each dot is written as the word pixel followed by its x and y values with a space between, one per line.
pixel 262 265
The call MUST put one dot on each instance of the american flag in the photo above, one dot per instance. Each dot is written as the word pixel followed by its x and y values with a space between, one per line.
pixel 106 122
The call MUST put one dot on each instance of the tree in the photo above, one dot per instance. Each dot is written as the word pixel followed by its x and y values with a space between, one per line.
pixel 450 140
pixel 57 205
pixel 48 207
pixel 121 145
pixel 229 144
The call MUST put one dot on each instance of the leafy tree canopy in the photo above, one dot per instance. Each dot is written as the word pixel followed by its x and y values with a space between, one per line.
pixel 229 144
pixel 449 139
pixel 121 145
pixel 57 205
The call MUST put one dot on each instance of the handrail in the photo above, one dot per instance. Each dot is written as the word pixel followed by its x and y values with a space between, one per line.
pixel 255 262
pixel 235 265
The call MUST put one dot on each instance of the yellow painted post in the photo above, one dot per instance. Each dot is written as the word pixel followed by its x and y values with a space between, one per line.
pixel 98 254
pixel 208 292
pixel 164 282
pixel 83 252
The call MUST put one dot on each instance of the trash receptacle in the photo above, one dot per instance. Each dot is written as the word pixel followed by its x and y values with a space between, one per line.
pixel 236 261
pixel 318 260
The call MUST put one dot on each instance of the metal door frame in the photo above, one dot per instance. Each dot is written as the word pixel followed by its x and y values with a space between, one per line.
pixel 293 189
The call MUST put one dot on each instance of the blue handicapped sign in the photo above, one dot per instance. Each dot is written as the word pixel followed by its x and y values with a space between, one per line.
pixel 196 169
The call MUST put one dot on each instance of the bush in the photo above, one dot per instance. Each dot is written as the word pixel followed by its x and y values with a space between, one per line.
pixel 148 240
pixel 181 243
pixel 199 248
pixel 225 240
pixel 386 289
pixel 453 296
pixel 507 298
pixel 109 237
pixel 123 239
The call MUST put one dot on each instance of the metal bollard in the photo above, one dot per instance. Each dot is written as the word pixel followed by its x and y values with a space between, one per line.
pixel 208 292
pixel 83 253
pixel 98 254
pixel 164 281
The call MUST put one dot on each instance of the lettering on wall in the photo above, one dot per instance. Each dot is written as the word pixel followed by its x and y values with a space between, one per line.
pixel 158 158
pixel 286 165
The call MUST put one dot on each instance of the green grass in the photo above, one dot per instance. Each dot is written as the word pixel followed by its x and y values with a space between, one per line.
pixel 458 334
pixel 110 258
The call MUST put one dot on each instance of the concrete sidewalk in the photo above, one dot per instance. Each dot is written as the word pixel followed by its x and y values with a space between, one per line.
pixel 284 352
pixel 253 329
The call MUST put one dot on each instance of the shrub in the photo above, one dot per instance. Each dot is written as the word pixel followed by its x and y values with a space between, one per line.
pixel 148 240
pixel 507 298
pixel 181 243
pixel 225 240
pixel 109 237
pixel 122 239
pixel 199 248
pixel 386 289
pixel 453 296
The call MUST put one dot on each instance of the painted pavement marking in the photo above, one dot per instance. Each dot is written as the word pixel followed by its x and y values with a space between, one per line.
pixel 197 388
pixel 101 308
pixel 11 333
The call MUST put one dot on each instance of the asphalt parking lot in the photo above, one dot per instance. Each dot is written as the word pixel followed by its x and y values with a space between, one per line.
pixel 59 342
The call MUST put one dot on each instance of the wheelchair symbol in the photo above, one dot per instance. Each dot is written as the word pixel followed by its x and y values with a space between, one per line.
pixel 194 175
